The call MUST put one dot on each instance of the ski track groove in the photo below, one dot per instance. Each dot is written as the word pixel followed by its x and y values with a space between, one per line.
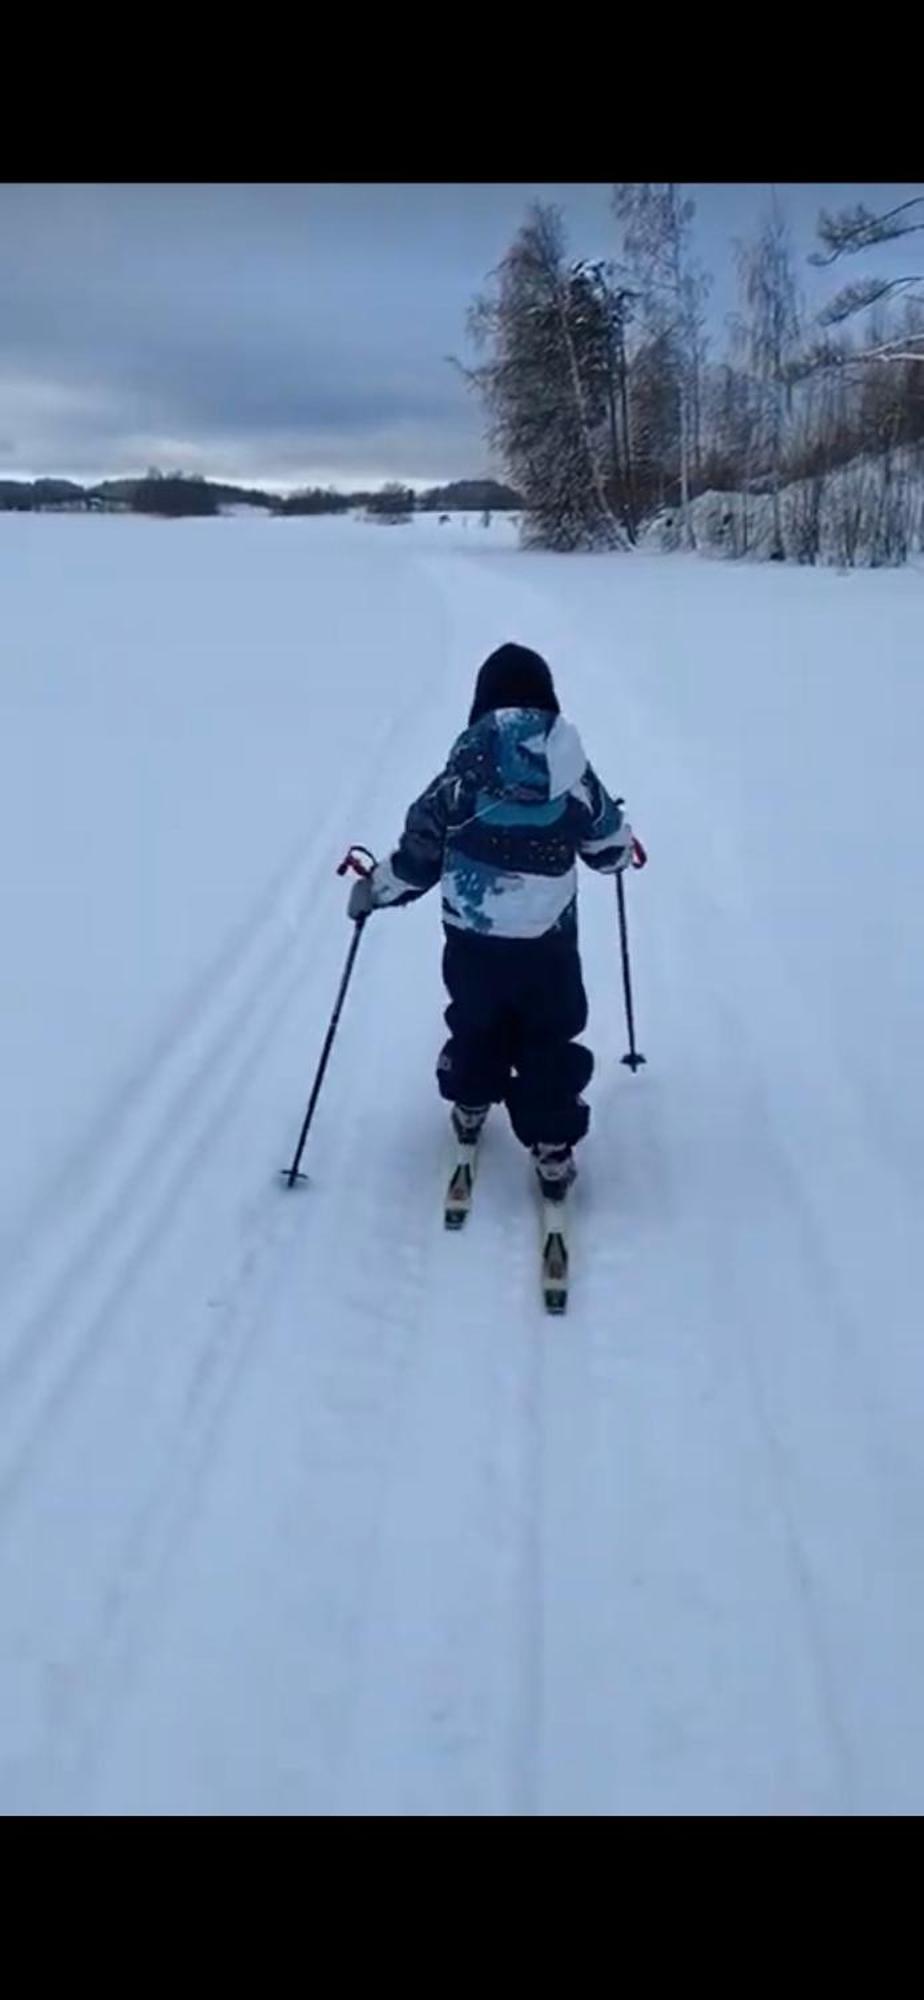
pixel 399 1329
pixel 128 1603
pixel 743 1358
pixel 456 1730
pixel 217 1038
pixel 148 1195
pixel 526 1787
pixel 804 1584
pixel 54 1345
pixel 87 1331
pixel 126 1100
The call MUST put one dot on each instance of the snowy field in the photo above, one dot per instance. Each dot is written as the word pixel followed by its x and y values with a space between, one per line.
pixel 305 1507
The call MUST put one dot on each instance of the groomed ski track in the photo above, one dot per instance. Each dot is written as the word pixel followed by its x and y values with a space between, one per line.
pixel 305 1505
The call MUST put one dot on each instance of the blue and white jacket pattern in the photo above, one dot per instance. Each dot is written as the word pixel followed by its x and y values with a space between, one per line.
pixel 502 826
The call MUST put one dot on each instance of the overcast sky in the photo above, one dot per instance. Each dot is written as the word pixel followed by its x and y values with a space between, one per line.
pixel 296 333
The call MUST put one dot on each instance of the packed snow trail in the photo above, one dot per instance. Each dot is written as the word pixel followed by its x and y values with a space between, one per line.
pixel 305 1506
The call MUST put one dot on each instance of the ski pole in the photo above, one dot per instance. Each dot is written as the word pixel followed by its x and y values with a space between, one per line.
pixel 350 860
pixel 639 858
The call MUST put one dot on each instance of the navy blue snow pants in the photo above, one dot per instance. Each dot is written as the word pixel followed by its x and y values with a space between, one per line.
pixel 515 1006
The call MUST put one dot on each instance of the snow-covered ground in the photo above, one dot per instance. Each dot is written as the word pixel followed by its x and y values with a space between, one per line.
pixel 304 1505
pixel 867 514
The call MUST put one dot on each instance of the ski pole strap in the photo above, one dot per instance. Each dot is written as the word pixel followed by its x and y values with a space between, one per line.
pixel 351 860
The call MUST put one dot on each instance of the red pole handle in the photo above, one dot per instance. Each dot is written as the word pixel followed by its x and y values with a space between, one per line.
pixel 351 860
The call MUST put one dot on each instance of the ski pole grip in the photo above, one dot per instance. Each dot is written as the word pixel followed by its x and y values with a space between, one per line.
pixel 639 853
pixel 351 860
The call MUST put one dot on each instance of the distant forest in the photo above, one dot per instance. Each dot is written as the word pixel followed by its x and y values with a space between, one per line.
pixel 179 494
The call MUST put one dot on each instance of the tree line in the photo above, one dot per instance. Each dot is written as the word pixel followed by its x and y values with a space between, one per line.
pixel 179 494
pixel 605 406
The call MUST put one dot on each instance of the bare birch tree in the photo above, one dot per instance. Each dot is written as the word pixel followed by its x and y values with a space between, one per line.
pixel 658 251
pixel 767 334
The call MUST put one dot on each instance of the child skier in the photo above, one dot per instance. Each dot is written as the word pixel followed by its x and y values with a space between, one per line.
pixel 501 827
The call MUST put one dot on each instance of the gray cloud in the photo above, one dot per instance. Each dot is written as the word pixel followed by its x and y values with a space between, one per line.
pixel 279 332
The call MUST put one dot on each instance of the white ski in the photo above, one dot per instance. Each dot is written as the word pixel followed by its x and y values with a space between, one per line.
pixel 459 1190
pixel 555 1263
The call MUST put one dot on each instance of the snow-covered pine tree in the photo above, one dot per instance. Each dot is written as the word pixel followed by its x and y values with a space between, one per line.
pixel 601 309
pixel 545 416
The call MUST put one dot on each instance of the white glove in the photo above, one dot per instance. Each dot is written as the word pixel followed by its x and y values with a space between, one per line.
pixel 362 901
pixel 624 859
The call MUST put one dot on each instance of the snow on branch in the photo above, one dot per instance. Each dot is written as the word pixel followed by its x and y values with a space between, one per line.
pixel 854 229
pixel 866 292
